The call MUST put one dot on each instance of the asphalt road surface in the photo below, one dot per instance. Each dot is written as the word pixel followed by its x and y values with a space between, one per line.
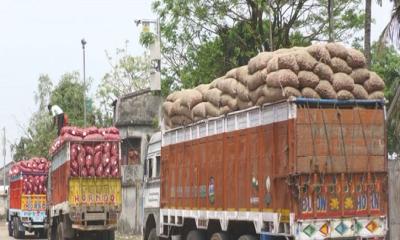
pixel 4 233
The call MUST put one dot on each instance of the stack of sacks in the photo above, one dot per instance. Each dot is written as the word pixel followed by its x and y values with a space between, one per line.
pixel 74 134
pixel 329 71
pixel 94 159
pixel 34 175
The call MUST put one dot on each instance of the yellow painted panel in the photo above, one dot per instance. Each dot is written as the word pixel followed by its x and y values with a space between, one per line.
pixel 34 202
pixel 97 191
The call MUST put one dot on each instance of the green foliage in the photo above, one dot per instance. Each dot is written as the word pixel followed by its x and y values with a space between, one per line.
pixel 147 38
pixel 128 74
pixel 39 135
pixel 385 63
pixel 203 39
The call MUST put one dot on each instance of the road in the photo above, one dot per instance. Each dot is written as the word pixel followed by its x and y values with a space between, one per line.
pixel 4 233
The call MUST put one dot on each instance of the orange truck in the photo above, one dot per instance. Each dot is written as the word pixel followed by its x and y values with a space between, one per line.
pixel 27 210
pixel 300 169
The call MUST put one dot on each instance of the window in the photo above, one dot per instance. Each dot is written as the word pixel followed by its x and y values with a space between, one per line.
pixel 158 163
pixel 130 151
pixel 150 165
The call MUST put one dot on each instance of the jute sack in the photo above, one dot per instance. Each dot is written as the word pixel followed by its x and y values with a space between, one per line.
pixel 167 106
pixel 231 73
pixel 274 94
pixel 304 60
pixel 360 75
pixel 282 78
pixel 227 100
pixel 261 101
pixel 191 97
pixel 291 92
pixel 259 62
pixel 320 53
pixel 228 85
pixel 203 88
pixel 307 79
pixel 283 61
pixel 199 110
pixel 337 50
pixel 359 92
pixel 374 83
pixel 212 111
pixel 255 80
pixel 167 122
pixel 178 109
pixel 244 104
pixel 214 83
pixel 340 65
pixel 224 110
pixel 242 92
pixel 342 81
pixel 376 95
pixel 242 74
pixel 325 90
pixel 174 96
pixel 323 71
pixel 308 92
pixel 256 94
pixel 213 96
pixel 356 59
pixel 179 120
pixel 344 95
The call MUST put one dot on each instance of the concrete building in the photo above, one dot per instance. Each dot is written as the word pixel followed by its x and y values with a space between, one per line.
pixel 137 116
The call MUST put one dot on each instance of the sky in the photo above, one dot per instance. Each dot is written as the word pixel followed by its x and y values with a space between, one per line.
pixel 43 37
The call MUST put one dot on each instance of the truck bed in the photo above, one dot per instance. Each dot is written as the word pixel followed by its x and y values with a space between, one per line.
pixel 314 161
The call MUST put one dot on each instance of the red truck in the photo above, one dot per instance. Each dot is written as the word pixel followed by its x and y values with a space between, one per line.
pixel 298 169
pixel 84 185
pixel 27 197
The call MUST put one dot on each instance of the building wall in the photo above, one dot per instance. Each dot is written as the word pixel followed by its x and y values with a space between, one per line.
pixel 136 116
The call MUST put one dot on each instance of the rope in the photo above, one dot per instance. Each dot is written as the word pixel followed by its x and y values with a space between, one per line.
pixel 312 138
pixel 327 142
pixel 342 138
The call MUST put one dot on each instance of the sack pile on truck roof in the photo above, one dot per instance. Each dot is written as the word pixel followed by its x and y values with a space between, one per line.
pixel 329 71
pixel 34 175
pixel 75 134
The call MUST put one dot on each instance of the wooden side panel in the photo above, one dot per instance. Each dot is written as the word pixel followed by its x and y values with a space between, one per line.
pixel 15 193
pixel 228 171
pixel 59 184
pixel 340 140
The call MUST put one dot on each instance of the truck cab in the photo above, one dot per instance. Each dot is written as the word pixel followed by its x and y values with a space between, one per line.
pixel 151 188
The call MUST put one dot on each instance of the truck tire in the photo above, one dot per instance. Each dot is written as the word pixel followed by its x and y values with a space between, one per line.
pixel 111 235
pixel 152 235
pixel 60 231
pixel 220 236
pixel 196 235
pixel 247 237
pixel 51 232
pixel 10 229
pixel 41 233
pixel 16 233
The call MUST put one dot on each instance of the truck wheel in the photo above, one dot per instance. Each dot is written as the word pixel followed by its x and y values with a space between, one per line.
pixel 10 229
pixel 152 235
pixel 51 232
pixel 16 233
pixel 60 231
pixel 220 236
pixel 41 233
pixel 247 237
pixel 111 235
pixel 196 235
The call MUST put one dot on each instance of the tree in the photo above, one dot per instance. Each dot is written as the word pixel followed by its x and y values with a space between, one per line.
pixel 391 31
pixel 39 135
pixel 385 63
pixel 238 29
pixel 128 74
pixel 367 32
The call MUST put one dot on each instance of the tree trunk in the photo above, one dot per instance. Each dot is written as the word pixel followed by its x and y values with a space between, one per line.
pixel 330 20
pixel 367 33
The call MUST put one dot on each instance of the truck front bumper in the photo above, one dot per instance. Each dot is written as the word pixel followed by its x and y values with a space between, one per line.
pixel 94 227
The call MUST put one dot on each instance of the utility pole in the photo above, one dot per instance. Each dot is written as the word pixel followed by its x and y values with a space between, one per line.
pixel 4 156
pixel 83 42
